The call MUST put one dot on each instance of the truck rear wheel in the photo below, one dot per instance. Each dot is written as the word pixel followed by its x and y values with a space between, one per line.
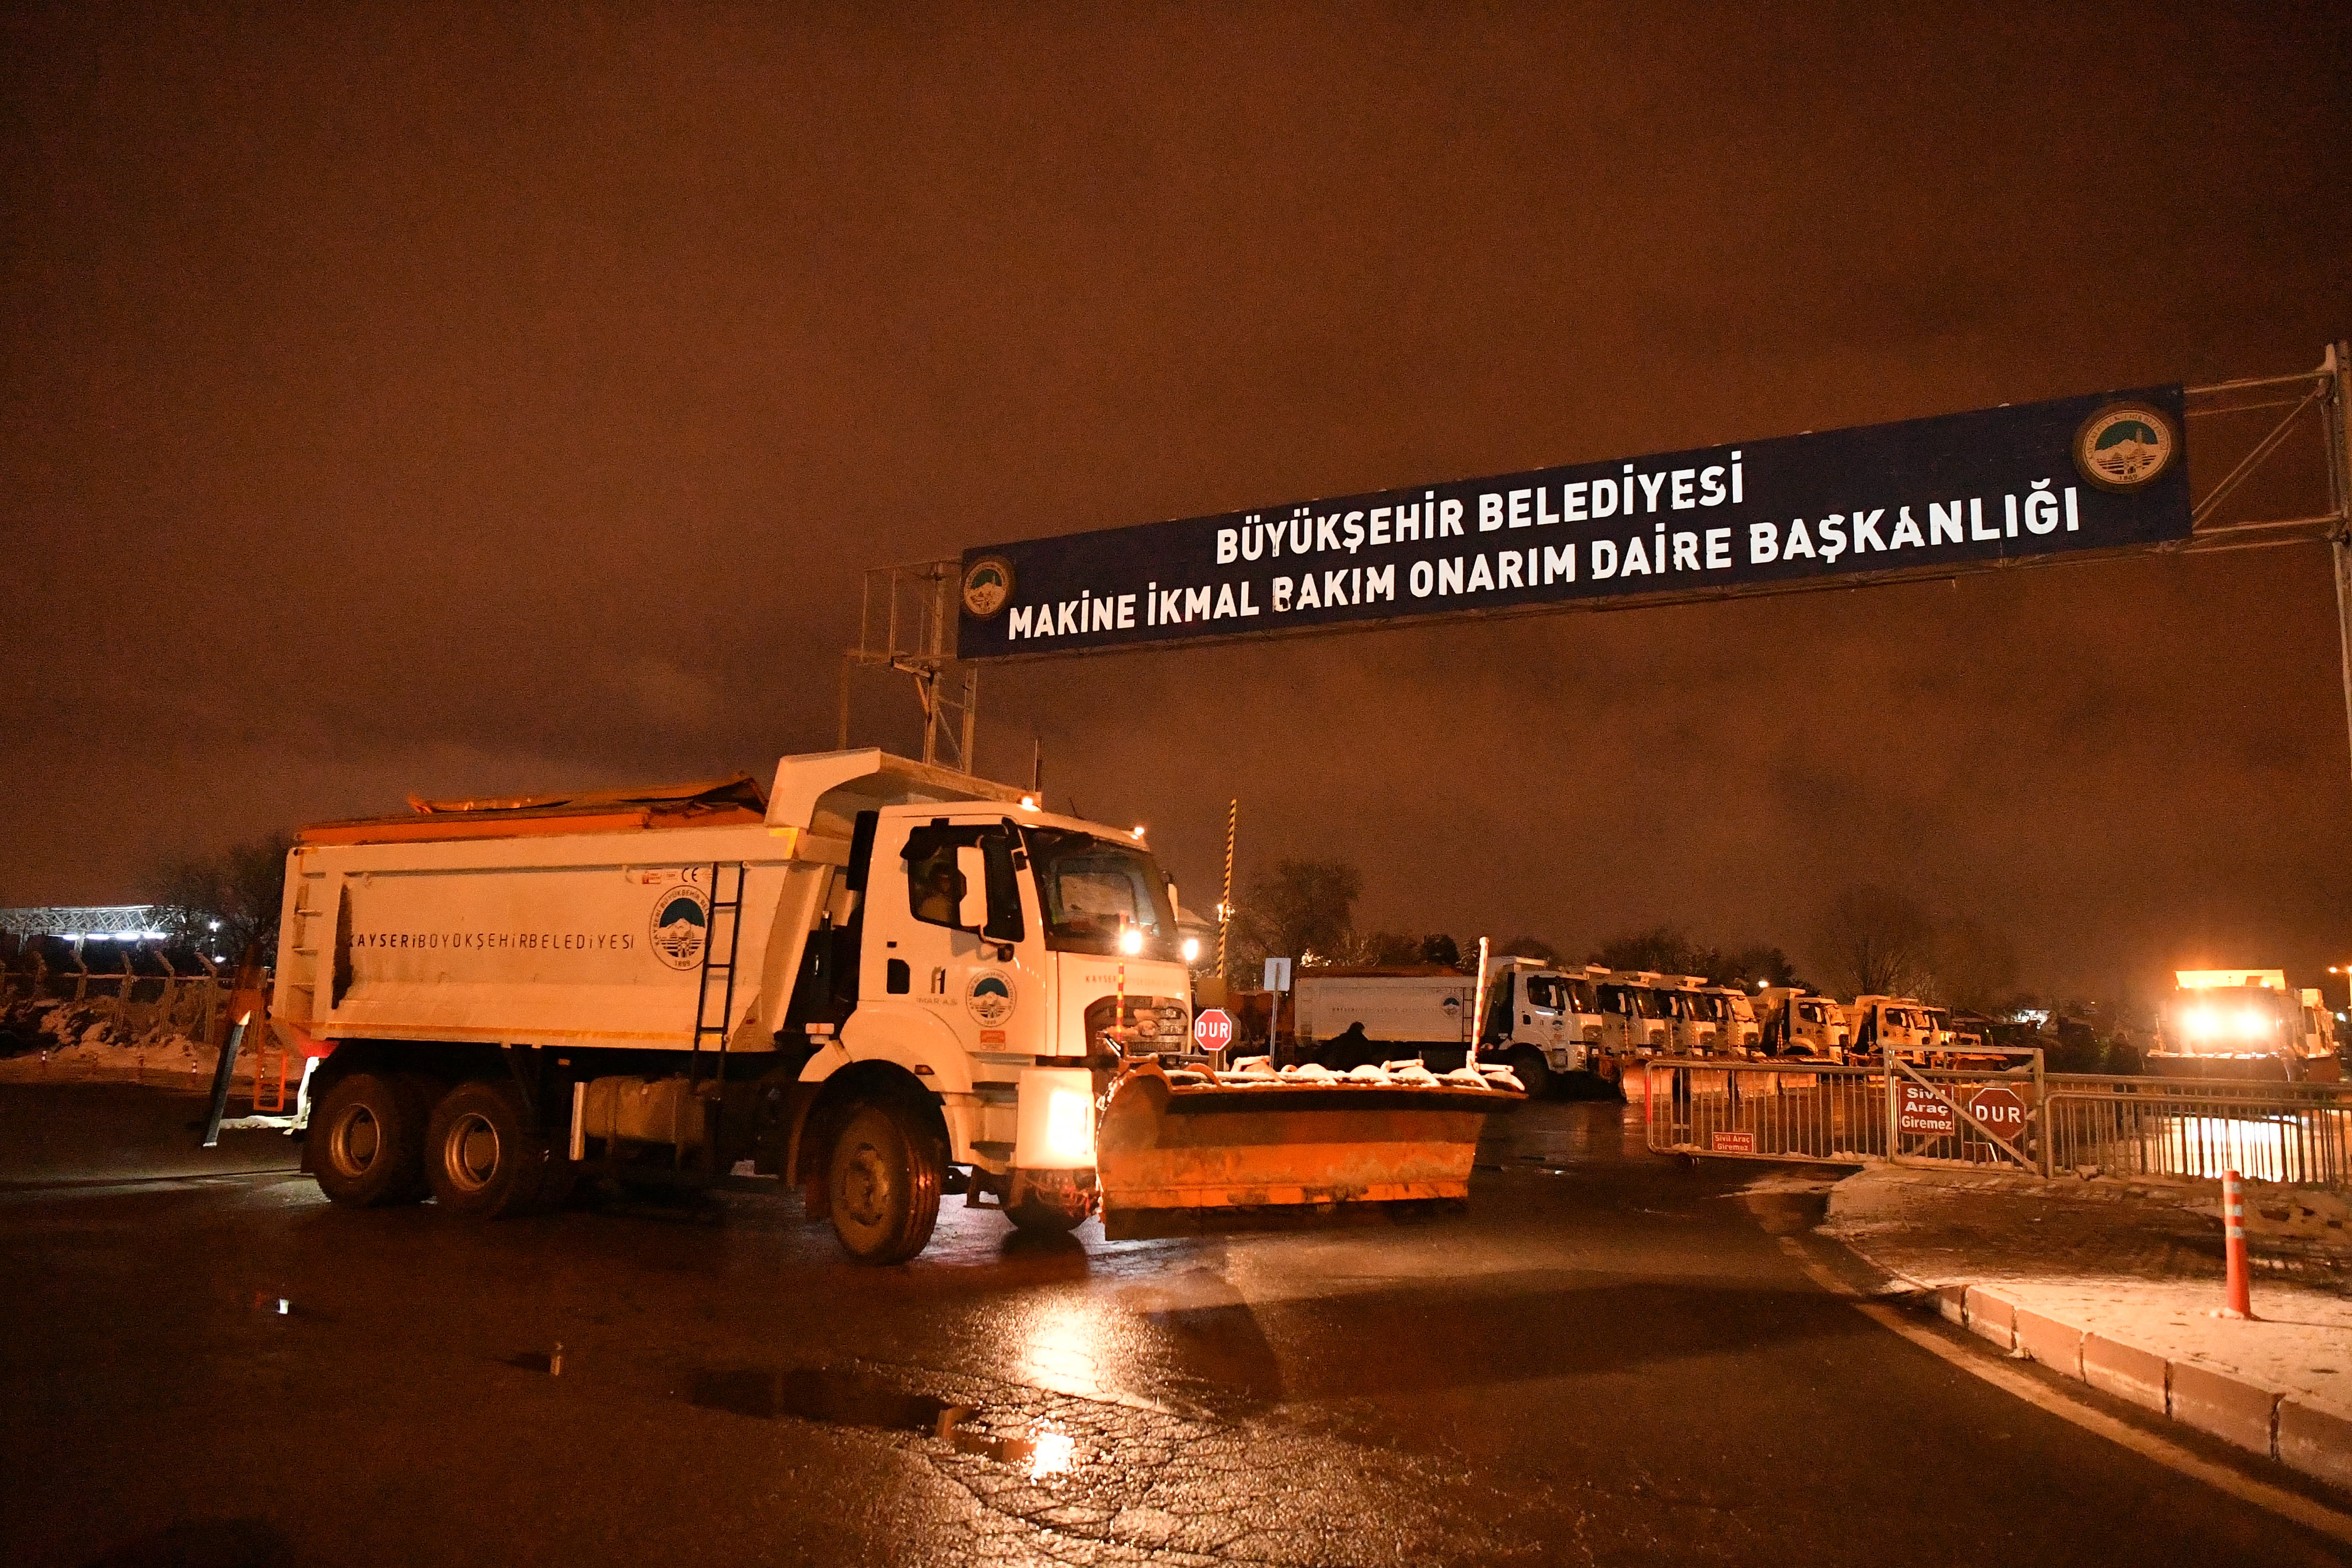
pixel 883 1184
pixel 370 1128
pixel 481 1156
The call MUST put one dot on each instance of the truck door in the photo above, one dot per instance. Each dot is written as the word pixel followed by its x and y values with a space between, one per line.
pixel 1543 1020
pixel 961 956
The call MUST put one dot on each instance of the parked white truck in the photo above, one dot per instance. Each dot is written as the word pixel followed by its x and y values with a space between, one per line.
pixel 879 982
pixel 1904 1023
pixel 1541 1022
pixel 2244 1023
pixel 1795 1023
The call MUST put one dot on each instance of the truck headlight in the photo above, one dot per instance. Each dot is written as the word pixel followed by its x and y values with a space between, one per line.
pixel 1069 1134
pixel 1055 1129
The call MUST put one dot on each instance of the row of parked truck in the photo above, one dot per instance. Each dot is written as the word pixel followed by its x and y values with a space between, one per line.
pixel 1546 1021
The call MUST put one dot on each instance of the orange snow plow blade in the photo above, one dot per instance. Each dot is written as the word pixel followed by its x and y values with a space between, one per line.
pixel 1196 1153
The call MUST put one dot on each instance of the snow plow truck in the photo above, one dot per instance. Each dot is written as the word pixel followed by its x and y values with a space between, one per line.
pixel 879 983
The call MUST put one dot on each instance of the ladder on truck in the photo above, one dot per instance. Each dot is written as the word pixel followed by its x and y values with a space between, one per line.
pixel 716 982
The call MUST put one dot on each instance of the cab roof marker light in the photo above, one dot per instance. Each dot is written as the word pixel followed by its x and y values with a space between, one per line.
pixel 1028 803
pixel 1139 830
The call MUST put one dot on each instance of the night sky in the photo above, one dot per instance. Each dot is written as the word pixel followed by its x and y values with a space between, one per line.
pixel 411 398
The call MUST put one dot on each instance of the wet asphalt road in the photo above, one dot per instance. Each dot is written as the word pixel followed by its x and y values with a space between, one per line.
pixel 1611 1359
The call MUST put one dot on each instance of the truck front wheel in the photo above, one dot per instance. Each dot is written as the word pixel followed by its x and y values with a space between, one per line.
pixel 369 1132
pixel 1534 1075
pixel 481 1156
pixel 883 1183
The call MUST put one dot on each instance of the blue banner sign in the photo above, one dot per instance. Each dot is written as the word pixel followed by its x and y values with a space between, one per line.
pixel 1925 496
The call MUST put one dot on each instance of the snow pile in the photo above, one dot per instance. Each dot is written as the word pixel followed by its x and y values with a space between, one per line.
pixel 2137 1261
pixel 1254 1072
pixel 67 1042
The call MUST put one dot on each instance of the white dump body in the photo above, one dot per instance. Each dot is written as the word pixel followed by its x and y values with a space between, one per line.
pixel 1404 1010
pixel 1529 1004
pixel 583 939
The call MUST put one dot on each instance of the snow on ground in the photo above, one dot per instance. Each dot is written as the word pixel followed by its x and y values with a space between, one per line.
pixel 2136 1261
pixel 61 1042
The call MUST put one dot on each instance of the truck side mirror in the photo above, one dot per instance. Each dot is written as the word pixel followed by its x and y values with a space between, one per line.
pixel 971 870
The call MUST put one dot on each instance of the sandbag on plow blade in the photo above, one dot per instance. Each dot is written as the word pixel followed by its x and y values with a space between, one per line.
pixel 1178 1157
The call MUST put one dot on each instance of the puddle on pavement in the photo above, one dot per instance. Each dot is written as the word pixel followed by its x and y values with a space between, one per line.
pixel 840 1396
pixel 1042 1451
pixel 837 1396
pixel 1787 1214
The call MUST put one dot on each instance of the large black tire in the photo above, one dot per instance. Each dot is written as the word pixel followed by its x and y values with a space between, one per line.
pixel 1044 1216
pixel 1535 1074
pixel 481 1158
pixel 367 1139
pixel 883 1183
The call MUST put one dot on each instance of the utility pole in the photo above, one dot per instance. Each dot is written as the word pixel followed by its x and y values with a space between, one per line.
pixel 2339 492
pixel 1225 904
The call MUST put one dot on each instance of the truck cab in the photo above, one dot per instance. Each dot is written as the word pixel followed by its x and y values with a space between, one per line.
pixel 1633 1018
pixel 1742 1031
pixel 1695 1013
pixel 1000 954
pixel 1900 1022
pixel 1795 1024
pixel 1542 1021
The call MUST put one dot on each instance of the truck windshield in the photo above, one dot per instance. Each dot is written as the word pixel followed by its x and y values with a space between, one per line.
pixel 1091 888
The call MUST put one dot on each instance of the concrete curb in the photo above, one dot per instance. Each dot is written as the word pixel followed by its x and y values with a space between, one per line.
pixel 2314 1442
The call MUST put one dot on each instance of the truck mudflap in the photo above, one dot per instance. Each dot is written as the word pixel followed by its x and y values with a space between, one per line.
pixel 1198 1151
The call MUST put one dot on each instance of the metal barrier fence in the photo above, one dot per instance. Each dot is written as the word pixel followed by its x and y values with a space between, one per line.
pixel 188 1004
pixel 2295 1133
pixel 1835 1115
pixel 2017 1119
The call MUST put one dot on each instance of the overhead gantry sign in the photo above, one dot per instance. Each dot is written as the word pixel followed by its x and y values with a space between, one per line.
pixel 1923 497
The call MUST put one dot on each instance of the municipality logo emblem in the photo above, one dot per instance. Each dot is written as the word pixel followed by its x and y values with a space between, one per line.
pixel 987 584
pixel 990 998
pixel 681 924
pixel 2125 445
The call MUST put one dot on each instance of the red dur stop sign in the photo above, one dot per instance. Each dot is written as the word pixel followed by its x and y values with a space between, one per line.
pixel 2000 1110
pixel 1213 1030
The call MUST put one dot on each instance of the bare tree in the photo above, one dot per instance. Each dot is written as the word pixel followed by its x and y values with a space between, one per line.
pixel 1976 965
pixel 1662 950
pixel 1875 942
pixel 1533 947
pixel 1302 910
pixel 1665 950
pixel 220 903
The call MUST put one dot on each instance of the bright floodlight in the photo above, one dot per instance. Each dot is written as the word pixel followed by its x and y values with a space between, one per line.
pixel 1130 942
pixel 1192 948
pixel 1067 1132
